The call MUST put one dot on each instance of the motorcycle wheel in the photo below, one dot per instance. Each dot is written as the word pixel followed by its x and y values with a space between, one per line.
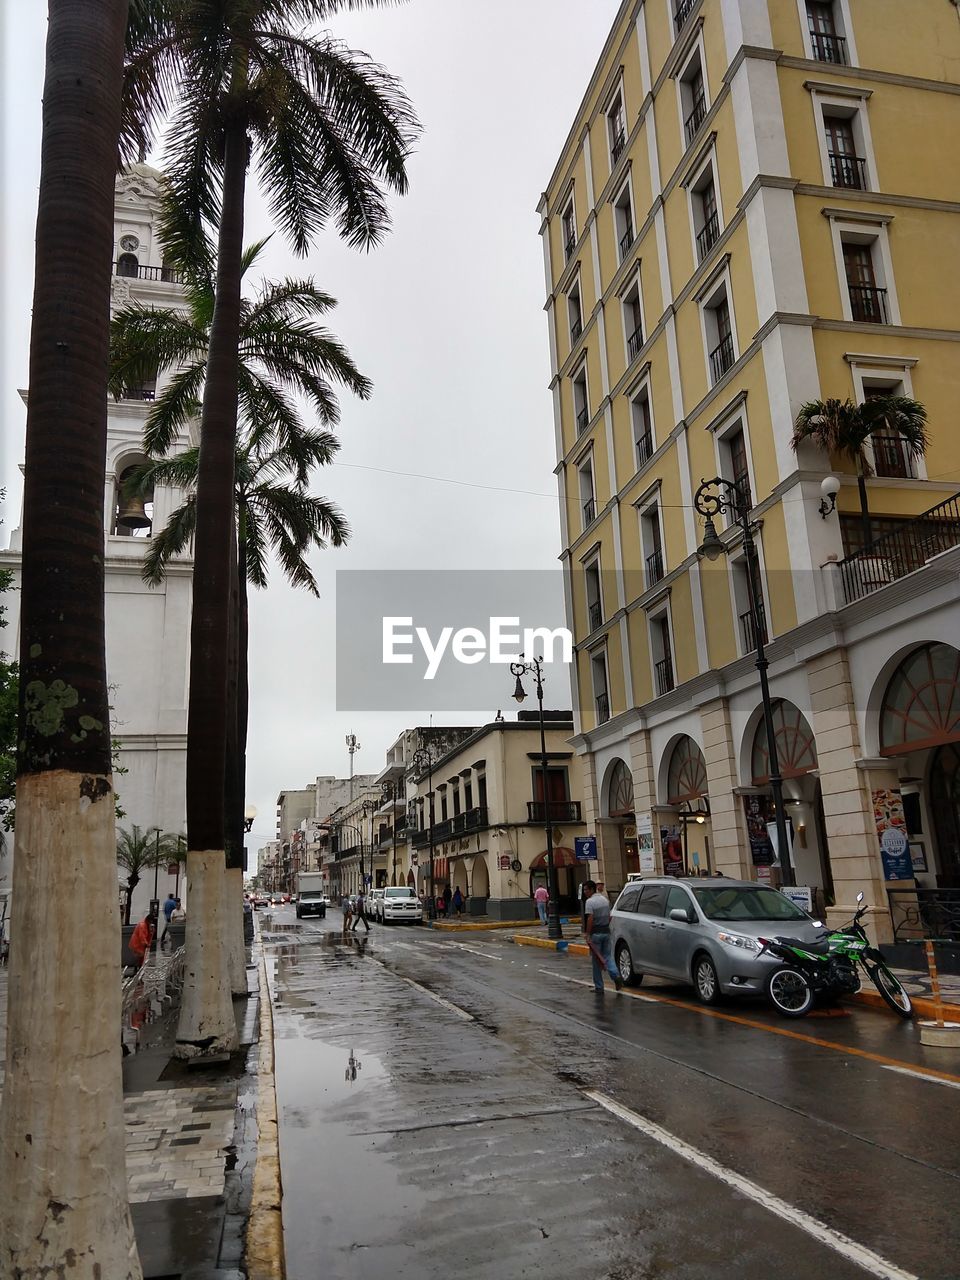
pixel 789 992
pixel 890 987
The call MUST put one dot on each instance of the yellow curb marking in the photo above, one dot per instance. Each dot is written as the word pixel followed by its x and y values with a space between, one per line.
pixel 264 1240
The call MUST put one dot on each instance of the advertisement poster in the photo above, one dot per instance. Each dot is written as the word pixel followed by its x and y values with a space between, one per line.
pixel 762 852
pixel 892 834
pixel 645 849
pixel 671 846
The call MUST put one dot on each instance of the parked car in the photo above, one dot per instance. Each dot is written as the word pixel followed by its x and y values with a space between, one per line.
pixel 260 900
pixel 703 932
pixel 375 904
pixel 399 903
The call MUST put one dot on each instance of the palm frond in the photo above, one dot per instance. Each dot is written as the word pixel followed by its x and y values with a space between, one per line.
pixel 171 541
pixel 145 341
pixel 177 404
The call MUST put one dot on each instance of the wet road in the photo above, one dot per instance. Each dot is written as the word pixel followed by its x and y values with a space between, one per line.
pixel 458 1105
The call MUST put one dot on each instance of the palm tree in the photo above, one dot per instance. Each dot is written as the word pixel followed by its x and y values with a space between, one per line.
pixel 328 129
pixel 284 354
pixel 138 851
pixel 61 1117
pixel 844 428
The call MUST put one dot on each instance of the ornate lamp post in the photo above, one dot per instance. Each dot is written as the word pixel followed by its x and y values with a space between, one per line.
pixel 422 760
pixel 535 669
pixel 714 497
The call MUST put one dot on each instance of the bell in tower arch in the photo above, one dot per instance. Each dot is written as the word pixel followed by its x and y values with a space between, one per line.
pixel 131 507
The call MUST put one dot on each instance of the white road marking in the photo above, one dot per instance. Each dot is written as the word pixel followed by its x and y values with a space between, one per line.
pixel 920 1075
pixel 461 1013
pixel 584 982
pixel 819 1231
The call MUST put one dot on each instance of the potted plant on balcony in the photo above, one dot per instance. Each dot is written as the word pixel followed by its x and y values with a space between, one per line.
pixel 843 428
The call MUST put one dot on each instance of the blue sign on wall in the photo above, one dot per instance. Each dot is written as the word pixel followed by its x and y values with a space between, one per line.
pixel 585 847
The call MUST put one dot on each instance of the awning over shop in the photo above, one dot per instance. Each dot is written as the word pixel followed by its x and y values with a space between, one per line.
pixel 562 857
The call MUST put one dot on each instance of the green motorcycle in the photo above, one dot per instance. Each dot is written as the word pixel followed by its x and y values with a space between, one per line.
pixel 829 967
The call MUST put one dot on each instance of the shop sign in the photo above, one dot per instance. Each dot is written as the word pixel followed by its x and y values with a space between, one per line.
pixel 503 862
pixel 762 852
pixel 892 833
pixel 671 847
pixel 645 848
pixel 585 847
pixel 800 895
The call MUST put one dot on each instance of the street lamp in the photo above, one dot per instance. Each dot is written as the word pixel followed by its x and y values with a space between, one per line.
pixel 535 669
pixel 422 761
pixel 249 817
pixel 714 497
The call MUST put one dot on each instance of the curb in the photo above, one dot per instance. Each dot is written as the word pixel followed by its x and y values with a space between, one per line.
pixel 550 944
pixel 488 924
pixel 264 1243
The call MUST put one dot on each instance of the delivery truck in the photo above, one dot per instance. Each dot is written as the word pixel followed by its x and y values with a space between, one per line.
pixel 311 897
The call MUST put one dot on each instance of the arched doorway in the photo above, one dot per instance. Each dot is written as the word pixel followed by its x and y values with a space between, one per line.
pixel 687 793
pixel 620 811
pixel 920 717
pixel 797 758
pixel 568 871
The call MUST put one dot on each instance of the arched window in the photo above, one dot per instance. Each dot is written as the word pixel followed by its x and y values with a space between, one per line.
pixel 921 707
pixel 133 507
pixel 128 265
pixel 687 774
pixel 620 791
pixel 796 748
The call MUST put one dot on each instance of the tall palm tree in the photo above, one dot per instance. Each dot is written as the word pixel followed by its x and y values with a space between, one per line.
pixel 64 1003
pixel 328 130
pixel 284 355
pixel 140 850
pixel 844 428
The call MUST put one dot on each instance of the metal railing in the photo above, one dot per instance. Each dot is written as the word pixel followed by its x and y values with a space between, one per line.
pixel 139 393
pixel 576 329
pixel 602 701
pixel 420 837
pixel 654 563
pixel 868 303
pixel 696 117
pixel 708 235
pixel 570 246
pixel 644 448
pixel 681 13
pixel 895 554
pixel 848 171
pixel 553 811
pixel 583 419
pixel 748 629
pixel 663 670
pixel 891 458
pixel 634 343
pixel 828 48
pixel 148 994
pixel 166 274
pixel 595 615
pixel 589 512
pixel 721 357
pixel 626 240
pixel 925 913
pixel 617 145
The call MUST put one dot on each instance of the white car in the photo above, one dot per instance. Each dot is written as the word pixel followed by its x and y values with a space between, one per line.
pixel 399 904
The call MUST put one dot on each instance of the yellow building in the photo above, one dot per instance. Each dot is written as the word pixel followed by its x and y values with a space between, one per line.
pixel 756 207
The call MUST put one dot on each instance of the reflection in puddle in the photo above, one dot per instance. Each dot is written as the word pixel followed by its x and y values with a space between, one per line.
pixel 353 1066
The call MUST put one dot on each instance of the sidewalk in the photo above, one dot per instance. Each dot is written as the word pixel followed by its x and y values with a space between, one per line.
pixel 191 1146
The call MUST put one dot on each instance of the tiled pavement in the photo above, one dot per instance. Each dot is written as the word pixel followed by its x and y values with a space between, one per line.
pixel 177 1141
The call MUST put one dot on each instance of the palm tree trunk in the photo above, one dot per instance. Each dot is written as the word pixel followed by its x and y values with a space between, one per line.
pixel 207 1024
pixel 64 999
pixel 233 801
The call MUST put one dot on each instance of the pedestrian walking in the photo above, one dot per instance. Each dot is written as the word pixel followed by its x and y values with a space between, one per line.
pixel 178 915
pixel 447 897
pixel 346 906
pixel 458 902
pixel 441 906
pixel 541 897
pixel 598 937
pixel 168 907
pixel 360 912
pixel 142 938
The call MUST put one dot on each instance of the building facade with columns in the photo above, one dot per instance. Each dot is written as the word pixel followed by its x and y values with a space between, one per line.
pixel 751 212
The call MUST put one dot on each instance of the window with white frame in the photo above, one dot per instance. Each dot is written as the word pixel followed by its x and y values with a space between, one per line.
pixel 734 463
pixel 575 313
pixel 718 330
pixel 661 652
pixel 594 594
pixel 826 32
pixel 846 150
pixel 693 96
pixel 568 222
pixel 632 302
pixel 601 692
pixel 651 542
pixel 891 458
pixel 746 620
pixel 581 400
pixel 623 220
pixel 864 275
pixel 642 421
pixel 588 496
pixel 616 128
pixel 706 211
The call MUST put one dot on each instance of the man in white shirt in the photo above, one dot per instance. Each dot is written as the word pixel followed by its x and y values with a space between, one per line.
pixel 597 910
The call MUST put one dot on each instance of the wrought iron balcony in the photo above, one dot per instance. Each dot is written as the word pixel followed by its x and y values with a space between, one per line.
pixel 708 235
pixel 165 274
pixel 681 13
pixel 663 670
pixel 617 145
pixel 868 303
pixel 589 512
pixel 583 420
pixel 721 357
pixel 420 837
pixel 848 171
pixel 654 563
pixel 470 820
pixel 891 457
pixel 442 830
pixel 901 551
pixel 576 329
pixel 139 393
pixel 570 247
pixel 644 448
pixel 829 48
pixel 626 240
pixel 595 615
pixel 602 701
pixel 748 629
pixel 553 811
pixel 634 343
pixel 695 119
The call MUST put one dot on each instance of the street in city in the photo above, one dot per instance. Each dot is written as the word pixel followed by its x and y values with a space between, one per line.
pixel 454 1104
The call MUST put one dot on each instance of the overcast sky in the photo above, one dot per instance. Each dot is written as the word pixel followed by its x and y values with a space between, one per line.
pixel 446 318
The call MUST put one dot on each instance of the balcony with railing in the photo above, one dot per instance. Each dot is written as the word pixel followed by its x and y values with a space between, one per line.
pixel 721 358
pixel 589 512
pixel 681 13
pixel 663 670
pixel 583 420
pixel 829 48
pixel 868 303
pixel 848 171
pixel 626 240
pixel 139 393
pixel 602 702
pixel 748 629
pixel 698 113
pixel 654 563
pixel 138 271
pixel 644 448
pixel 617 145
pixel 904 550
pixel 595 615
pixel 891 458
pixel 570 245
pixel 634 343
pixel 708 235
pixel 553 811
pixel 576 329
pixel 420 836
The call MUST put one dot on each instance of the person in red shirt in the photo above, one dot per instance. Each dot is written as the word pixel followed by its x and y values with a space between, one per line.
pixel 142 937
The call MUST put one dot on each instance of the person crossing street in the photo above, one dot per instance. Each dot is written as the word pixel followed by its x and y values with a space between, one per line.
pixel 360 912
pixel 597 909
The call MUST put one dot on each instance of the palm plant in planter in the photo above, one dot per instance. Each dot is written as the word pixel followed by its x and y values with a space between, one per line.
pixel 843 428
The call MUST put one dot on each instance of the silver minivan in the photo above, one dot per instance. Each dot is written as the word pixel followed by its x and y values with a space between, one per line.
pixel 703 931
